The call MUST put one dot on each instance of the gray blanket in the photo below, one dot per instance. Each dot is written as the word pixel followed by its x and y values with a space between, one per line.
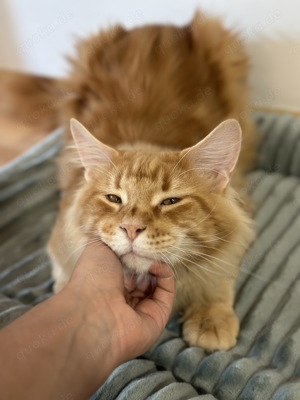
pixel 265 363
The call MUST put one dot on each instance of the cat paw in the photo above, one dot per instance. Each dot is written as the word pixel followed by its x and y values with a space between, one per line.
pixel 213 328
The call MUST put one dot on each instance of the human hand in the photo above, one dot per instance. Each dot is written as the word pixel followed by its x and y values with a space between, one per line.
pixel 72 341
pixel 124 315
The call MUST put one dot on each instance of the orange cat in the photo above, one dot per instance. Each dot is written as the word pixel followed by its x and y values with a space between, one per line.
pixel 151 183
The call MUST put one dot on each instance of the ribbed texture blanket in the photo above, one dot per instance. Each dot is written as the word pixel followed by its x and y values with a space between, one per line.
pixel 265 363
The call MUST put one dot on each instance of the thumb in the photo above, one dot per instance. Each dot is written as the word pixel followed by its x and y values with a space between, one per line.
pixel 159 307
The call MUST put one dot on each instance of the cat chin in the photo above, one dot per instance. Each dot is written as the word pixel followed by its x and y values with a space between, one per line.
pixel 138 264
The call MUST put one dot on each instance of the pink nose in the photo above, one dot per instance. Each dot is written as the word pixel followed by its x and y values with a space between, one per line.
pixel 132 230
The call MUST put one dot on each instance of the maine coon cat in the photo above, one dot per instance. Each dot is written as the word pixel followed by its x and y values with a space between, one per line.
pixel 158 175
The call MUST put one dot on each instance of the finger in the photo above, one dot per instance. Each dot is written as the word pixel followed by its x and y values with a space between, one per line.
pixel 164 293
pixel 159 307
pixel 161 270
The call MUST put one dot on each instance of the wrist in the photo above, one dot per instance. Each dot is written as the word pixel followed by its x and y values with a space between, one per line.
pixel 94 330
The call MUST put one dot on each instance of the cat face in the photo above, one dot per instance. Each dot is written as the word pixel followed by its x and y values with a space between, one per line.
pixel 147 209
pixel 156 206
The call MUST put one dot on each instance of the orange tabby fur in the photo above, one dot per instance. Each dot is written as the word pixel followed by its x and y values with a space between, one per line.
pixel 146 91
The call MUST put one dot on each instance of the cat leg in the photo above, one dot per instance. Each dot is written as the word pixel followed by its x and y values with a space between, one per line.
pixel 214 326
pixel 209 320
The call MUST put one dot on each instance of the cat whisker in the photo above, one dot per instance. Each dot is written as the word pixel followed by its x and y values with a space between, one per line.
pixel 215 237
pixel 249 273
pixel 213 244
pixel 165 257
pixel 202 255
pixel 239 268
pixel 208 257
pixel 167 261
pixel 180 257
pixel 196 272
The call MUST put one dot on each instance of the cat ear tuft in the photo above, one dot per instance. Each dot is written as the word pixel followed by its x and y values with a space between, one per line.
pixel 217 153
pixel 92 152
pixel 197 20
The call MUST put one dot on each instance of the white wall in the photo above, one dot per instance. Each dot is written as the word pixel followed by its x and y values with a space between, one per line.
pixel 35 35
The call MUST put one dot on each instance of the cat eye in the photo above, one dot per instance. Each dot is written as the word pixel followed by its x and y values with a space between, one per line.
pixel 170 201
pixel 113 198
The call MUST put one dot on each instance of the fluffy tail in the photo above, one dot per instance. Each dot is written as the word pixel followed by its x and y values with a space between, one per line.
pixel 31 100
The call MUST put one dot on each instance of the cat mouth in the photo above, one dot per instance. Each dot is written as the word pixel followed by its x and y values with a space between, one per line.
pixel 136 263
pixel 132 253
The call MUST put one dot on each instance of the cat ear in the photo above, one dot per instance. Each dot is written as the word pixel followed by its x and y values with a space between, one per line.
pixel 218 153
pixel 92 152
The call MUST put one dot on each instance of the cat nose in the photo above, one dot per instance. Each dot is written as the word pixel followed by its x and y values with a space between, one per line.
pixel 132 230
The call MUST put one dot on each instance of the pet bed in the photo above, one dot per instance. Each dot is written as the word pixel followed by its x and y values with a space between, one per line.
pixel 265 363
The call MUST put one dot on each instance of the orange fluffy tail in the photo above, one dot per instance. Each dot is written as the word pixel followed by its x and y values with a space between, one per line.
pixel 31 100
